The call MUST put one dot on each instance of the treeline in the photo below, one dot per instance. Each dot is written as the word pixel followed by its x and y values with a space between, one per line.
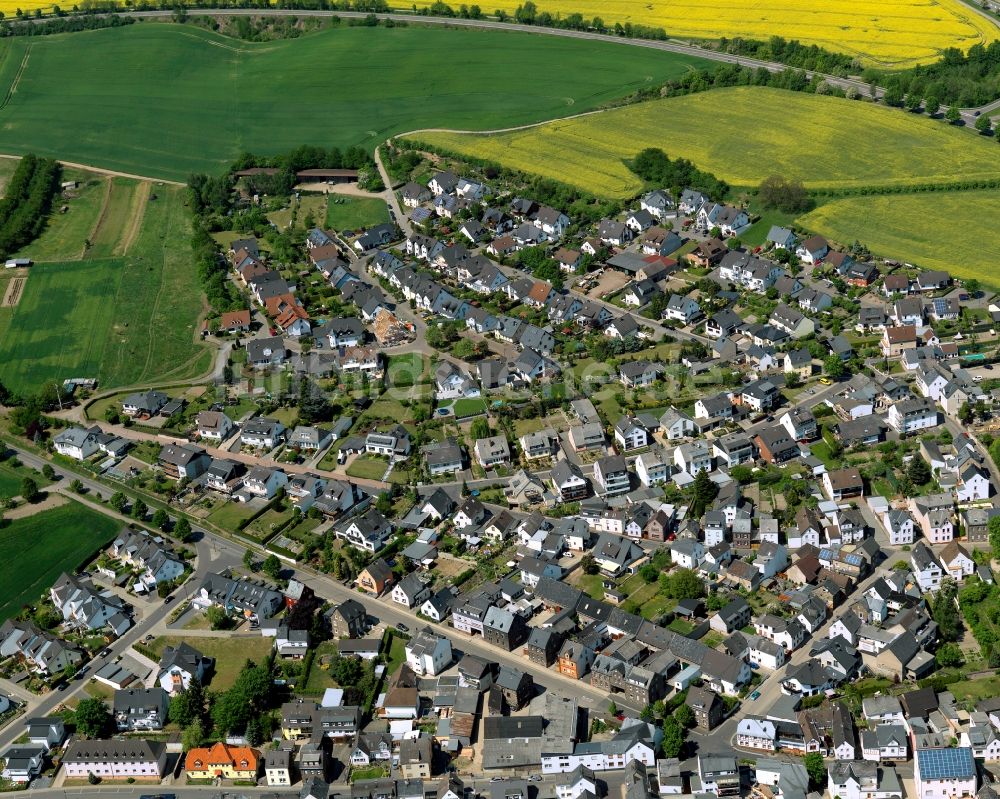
pixel 63 24
pixel 793 53
pixel 655 167
pixel 528 13
pixel 25 207
pixel 963 80
pixel 213 271
pixel 213 194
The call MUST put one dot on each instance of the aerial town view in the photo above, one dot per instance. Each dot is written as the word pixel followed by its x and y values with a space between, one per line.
pixel 559 400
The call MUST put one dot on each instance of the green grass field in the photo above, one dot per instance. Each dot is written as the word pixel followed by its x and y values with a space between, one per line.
pixel 367 467
pixel 37 549
pixel 230 653
pixel 64 236
pixel 742 135
pixel 122 319
pixel 929 230
pixel 354 213
pixel 86 97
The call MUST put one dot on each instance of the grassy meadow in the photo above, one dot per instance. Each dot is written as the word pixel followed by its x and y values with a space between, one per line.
pixel 742 135
pixel 37 549
pixel 929 229
pixel 353 213
pixel 123 310
pixel 85 97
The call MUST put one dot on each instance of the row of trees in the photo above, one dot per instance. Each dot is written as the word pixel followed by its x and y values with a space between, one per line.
pixel 27 202
pixel 62 24
pixel 793 53
pixel 656 167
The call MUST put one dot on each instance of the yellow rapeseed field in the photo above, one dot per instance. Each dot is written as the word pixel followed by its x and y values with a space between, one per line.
pixel 891 33
pixel 742 135
pixel 897 226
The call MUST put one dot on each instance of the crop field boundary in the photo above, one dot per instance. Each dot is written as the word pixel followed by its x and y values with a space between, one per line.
pixel 17 78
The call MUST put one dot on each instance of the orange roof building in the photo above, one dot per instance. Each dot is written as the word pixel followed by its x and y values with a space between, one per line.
pixel 222 760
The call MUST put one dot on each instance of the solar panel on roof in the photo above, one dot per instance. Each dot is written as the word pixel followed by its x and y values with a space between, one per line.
pixel 943 764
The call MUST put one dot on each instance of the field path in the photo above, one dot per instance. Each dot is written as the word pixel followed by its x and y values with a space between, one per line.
pixel 99 221
pixel 52 500
pixel 102 171
pixel 137 213
pixel 17 77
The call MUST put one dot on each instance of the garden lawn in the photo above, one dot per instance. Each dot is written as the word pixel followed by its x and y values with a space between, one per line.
pixel 975 690
pixel 406 370
pixel 263 526
pixel 591 584
pixel 468 407
pixel 896 226
pixel 37 549
pixel 122 319
pixel 354 213
pixel 800 136
pixel 367 467
pixel 229 515
pixel 396 656
pixel 86 97
pixel 229 651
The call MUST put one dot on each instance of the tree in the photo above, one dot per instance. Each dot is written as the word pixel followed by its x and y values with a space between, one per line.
pixel 183 530
pixel 965 414
pixel 189 705
pixel 193 735
pixel 48 472
pixel 949 656
pixel 247 699
pixel 685 715
pixel 994 527
pixel 953 115
pixel 834 367
pixel 944 610
pixel 983 124
pixel 703 491
pixel 118 501
pixel 29 490
pixel 786 195
pixel 673 737
pixel 76 486
pixel 912 102
pixel 271 566
pixel 683 584
pixel 160 519
pixel 218 619
pixel 92 718
pixel 932 100
pixel 248 561
pixel 480 428
pixel 816 769
pixel 918 471
pixel 139 510
pixel 589 565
